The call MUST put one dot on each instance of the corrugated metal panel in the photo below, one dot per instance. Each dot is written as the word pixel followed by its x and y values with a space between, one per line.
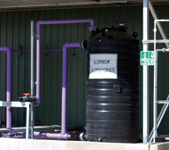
pixel 15 31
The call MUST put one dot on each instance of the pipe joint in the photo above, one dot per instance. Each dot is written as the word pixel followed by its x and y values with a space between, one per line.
pixel 82 136
pixel 68 45
pixel 92 28
pixel 38 23
pixel 83 44
pixel 155 30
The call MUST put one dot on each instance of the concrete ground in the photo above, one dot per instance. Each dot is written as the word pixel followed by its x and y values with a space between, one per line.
pixel 23 144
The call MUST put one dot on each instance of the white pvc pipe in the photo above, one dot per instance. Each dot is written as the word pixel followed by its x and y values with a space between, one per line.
pixel 28 122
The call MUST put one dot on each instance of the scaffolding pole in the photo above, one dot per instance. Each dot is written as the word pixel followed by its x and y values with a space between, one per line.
pixel 145 74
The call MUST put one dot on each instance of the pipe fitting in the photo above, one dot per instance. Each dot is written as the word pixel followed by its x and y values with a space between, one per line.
pixel 92 29
pixel 82 136
pixel 83 44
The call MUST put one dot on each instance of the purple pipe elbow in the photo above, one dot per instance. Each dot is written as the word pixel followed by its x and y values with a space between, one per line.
pixel 91 21
pixel 8 88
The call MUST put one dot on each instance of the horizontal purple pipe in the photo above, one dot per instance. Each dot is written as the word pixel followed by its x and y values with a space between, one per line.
pixel 48 50
pixel 8 87
pixel 91 21
pixel 45 136
pixel 92 27
pixel 56 136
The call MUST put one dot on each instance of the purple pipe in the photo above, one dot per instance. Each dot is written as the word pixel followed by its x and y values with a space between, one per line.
pixel 8 87
pixel 48 50
pixel 92 27
pixel 64 83
pixel 44 136
pixel 63 134
pixel 55 136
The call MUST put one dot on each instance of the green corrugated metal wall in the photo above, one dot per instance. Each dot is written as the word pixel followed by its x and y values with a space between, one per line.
pixel 15 31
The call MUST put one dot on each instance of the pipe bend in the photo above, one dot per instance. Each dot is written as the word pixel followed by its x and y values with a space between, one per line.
pixel 8 49
pixel 91 22
pixel 38 23
pixel 5 48
pixel 67 45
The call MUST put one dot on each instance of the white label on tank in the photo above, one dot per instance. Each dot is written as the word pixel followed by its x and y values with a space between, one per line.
pixel 103 66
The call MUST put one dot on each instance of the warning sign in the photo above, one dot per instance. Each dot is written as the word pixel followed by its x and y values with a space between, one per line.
pixel 103 66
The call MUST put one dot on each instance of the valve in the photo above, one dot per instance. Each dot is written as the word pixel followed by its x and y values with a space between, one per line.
pixel 75 135
pixel 20 99
pixel 26 94
pixel 32 99
pixel 27 98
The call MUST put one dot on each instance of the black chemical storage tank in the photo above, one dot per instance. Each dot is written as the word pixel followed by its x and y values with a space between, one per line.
pixel 112 86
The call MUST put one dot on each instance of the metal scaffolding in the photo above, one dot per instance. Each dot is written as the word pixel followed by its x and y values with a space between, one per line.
pixel 157 120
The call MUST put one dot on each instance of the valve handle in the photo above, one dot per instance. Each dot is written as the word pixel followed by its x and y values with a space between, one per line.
pixel 75 131
pixel 26 94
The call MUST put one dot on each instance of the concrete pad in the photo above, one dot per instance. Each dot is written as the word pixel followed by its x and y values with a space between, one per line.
pixel 160 146
pixel 23 144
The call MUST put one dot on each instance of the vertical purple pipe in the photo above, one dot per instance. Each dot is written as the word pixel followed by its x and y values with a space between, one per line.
pixel 92 27
pixel 38 64
pixel 8 87
pixel 64 84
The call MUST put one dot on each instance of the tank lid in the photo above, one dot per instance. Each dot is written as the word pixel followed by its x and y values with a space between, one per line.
pixel 121 21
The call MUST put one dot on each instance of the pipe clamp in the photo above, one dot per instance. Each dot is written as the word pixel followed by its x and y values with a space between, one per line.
pixel 37 35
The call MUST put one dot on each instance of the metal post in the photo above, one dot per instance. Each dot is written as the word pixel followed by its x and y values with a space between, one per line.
pixel 32 77
pixel 27 122
pixel 155 82
pixel 145 74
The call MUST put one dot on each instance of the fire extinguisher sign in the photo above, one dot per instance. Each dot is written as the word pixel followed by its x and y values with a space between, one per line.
pixel 103 66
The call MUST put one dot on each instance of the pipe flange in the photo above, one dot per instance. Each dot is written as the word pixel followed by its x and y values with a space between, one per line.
pixel 92 29
pixel 83 44
pixel 82 136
